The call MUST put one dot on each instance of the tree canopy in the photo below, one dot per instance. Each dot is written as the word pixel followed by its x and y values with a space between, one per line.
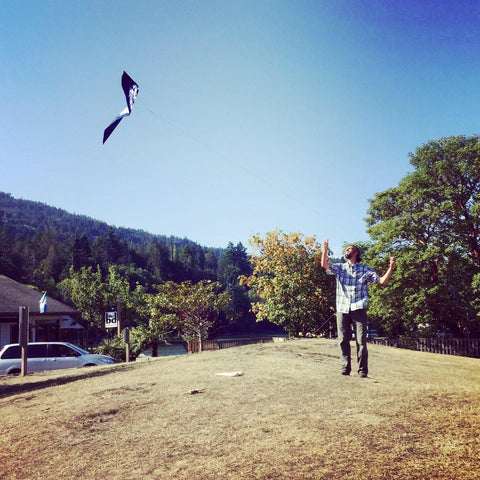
pixel 294 290
pixel 93 297
pixel 430 222
pixel 190 308
pixel 233 264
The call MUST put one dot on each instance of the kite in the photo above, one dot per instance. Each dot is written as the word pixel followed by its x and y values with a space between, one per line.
pixel 130 89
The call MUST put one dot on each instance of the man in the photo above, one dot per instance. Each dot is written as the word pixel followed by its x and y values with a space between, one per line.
pixel 353 279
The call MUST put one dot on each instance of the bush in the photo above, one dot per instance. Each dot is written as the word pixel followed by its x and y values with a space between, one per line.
pixel 116 348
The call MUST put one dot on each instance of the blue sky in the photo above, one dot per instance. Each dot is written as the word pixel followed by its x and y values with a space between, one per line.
pixel 252 115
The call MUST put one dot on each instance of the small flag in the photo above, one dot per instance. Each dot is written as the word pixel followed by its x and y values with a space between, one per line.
pixel 43 303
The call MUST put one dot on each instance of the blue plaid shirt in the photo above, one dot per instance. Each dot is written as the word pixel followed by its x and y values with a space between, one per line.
pixel 352 285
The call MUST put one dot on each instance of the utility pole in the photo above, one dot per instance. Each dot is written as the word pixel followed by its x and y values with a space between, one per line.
pixel 23 317
pixel 126 339
pixel 119 327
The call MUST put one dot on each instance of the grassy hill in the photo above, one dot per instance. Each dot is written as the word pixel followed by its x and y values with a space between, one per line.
pixel 290 416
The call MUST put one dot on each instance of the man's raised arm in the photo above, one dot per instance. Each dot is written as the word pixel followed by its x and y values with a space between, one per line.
pixel 325 255
pixel 383 280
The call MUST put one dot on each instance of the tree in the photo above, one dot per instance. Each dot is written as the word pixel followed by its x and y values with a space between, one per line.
pixel 86 291
pixel 81 252
pixel 233 264
pixel 191 307
pixel 93 297
pixel 10 264
pixel 295 291
pixel 48 256
pixel 109 250
pixel 211 265
pixel 159 322
pixel 158 262
pixel 430 222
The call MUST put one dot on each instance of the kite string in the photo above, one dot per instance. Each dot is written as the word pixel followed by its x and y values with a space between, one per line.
pixel 254 175
pixel 182 130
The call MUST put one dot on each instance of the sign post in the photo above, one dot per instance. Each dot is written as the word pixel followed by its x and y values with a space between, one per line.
pixel 126 339
pixel 23 317
pixel 119 327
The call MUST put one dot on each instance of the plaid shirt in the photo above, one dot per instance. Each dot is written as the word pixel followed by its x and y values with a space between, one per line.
pixel 352 285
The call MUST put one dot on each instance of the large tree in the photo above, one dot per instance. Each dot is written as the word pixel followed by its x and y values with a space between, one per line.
pixel 190 308
pixel 93 296
pixel 430 222
pixel 295 291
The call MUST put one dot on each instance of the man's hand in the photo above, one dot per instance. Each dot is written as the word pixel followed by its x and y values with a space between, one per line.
pixel 383 280
pixel 324 255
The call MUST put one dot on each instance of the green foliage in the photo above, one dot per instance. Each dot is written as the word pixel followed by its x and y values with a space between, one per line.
pixel 190 308
pixel 93 297
pixel 159 322
pixel 40 243
pixel 115 347
pixel 91 265
pixel 430 223
pixel 295 291
pixel 233 264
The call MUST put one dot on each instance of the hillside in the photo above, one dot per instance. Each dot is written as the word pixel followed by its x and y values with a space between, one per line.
pixel 291 416
pixel 25 218
pixel 39 244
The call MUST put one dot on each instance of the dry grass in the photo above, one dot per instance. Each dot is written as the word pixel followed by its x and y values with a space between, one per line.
pixel 291 416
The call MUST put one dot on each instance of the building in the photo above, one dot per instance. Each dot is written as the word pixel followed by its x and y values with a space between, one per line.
pixel 60 322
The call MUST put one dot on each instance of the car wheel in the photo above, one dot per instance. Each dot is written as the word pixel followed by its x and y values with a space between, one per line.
pixel 15 371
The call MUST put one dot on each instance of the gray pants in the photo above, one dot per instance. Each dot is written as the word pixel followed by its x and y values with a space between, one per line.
pixel 357 318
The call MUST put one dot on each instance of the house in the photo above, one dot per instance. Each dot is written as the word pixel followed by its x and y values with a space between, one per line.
pixel 60 322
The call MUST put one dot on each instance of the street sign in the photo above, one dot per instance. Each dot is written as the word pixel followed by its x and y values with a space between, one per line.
pixel 111 320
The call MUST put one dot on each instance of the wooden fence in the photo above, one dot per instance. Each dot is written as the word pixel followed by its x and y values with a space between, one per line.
pixel 194 346
pixel 465 347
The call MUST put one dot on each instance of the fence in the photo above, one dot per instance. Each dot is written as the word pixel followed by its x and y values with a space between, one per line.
pixel 465 347
pixel 194 346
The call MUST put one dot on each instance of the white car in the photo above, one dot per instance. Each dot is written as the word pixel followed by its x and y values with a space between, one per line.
pixel 43 356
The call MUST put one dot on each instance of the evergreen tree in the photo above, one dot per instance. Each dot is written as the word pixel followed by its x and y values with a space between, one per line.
pixel 109 250
pixel 81 252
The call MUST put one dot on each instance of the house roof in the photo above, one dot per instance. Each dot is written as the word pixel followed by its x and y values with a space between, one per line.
pixel 14 295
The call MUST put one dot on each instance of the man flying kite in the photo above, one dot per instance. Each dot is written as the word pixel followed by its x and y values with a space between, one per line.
pixel 130 89
pixel 353 279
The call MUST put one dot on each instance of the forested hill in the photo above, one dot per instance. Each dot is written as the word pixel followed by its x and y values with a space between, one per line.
pixel 39 245
pixel 25 218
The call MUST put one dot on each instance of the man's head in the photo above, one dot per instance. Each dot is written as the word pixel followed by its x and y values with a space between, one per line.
pixel 352 252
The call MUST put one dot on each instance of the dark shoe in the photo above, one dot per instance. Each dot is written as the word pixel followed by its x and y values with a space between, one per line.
pixel 362 375
pixel 345 372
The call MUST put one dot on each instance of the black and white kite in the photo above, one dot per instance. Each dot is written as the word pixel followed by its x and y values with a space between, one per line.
pixel 130 89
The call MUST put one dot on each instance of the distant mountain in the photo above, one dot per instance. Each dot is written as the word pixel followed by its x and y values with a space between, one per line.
pixel 25 218
pixel 42 245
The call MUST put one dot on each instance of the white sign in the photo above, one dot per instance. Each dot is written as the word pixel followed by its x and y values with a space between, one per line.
pixel 111 320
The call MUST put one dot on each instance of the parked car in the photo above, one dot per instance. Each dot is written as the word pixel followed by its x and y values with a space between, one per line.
pixel 43 356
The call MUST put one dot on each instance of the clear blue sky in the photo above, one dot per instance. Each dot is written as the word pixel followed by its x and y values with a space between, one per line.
pixel 252 115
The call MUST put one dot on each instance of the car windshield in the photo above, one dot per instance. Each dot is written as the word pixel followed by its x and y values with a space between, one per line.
pixel 78 349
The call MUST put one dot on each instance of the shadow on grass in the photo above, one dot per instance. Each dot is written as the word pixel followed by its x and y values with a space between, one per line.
pixel 18 388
